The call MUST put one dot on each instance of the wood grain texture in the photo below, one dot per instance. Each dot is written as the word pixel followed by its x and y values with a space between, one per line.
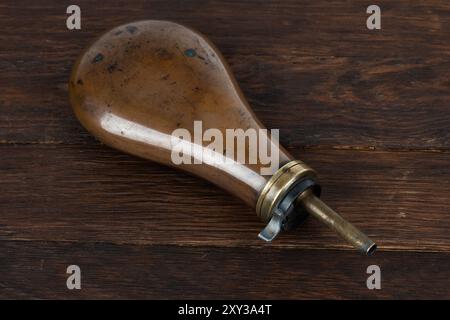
pixel 314 62
pixel 69 193
pixel 368 110
pixel 173 272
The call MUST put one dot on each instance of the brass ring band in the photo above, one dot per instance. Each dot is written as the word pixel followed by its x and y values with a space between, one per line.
pixel 279 185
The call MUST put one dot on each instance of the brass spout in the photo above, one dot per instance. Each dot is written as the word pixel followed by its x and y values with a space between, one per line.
pixel 342 227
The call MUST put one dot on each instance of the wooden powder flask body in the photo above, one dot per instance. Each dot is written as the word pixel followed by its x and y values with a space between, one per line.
pixel 137 83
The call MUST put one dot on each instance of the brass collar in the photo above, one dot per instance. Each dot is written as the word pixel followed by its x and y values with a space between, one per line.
pixel 279 185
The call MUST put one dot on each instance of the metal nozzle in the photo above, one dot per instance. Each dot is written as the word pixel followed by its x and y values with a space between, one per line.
pixel 290 194
pixel 328 216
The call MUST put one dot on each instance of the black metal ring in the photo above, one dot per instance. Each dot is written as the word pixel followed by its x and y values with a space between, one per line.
pixel 286 206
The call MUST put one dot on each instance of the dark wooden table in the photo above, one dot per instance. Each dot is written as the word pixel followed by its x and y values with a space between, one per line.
pixel 370 110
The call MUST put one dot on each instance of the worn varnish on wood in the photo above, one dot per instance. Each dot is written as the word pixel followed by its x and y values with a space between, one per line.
pixel 376 103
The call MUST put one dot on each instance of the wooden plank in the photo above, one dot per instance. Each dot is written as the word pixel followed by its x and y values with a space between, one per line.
pixel 93 193
pixel 348 101
pixel 108 271
pixel 311 69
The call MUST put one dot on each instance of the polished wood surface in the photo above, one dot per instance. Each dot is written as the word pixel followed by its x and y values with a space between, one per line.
pixel 368 110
